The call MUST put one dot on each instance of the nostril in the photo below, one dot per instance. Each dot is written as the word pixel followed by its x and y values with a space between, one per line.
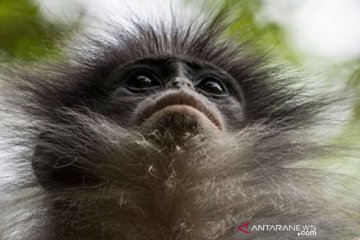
pixel 176 83
pixel 180 82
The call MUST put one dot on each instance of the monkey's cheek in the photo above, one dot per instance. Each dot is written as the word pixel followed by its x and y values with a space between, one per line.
pixel 181 119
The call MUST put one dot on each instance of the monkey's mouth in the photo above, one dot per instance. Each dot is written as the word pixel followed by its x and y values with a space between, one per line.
pixel 180 103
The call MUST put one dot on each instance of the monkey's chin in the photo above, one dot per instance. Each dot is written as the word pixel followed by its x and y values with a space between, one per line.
pixel 181 121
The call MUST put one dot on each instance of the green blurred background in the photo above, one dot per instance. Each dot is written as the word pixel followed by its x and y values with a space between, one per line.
pixel 319 37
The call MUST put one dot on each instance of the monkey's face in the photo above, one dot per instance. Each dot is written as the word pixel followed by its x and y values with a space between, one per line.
pixel 175 96
pixel 168 100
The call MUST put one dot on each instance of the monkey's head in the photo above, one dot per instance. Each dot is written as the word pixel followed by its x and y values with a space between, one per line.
pixel 168 86
pixel 169 83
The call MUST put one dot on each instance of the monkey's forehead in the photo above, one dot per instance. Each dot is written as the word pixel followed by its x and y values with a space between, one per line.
pixel 161 28
pixel 204 43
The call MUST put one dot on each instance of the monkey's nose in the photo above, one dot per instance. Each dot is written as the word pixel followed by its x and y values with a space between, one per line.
pixel 179 83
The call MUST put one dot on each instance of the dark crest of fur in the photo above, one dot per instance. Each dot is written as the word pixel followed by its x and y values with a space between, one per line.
pixel 131 188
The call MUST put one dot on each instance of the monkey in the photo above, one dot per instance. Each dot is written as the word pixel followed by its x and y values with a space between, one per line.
pixel 166 133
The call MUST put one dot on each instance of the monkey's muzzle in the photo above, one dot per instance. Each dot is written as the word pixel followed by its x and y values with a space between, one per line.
pixel 181 110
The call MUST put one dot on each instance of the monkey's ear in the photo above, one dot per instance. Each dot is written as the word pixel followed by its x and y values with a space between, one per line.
pixel 51 170
pixel 55 170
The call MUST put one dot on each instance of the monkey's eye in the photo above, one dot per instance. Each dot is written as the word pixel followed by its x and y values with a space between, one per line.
pixel 212 87
pixel 142 81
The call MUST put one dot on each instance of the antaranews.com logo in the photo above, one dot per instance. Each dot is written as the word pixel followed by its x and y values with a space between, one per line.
pixel 298 229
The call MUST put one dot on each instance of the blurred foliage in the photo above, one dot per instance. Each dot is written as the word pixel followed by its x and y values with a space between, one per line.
pixel 260 34
pixel 25 34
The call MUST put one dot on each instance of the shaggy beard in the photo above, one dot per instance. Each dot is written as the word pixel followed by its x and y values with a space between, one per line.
pixel 151 187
